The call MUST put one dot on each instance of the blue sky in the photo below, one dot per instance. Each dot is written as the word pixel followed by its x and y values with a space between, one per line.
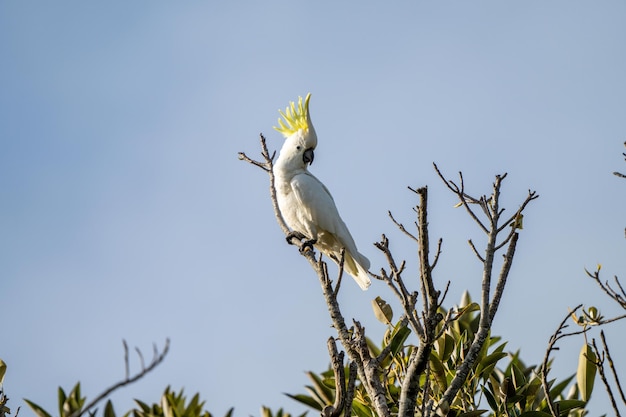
pixel 126 214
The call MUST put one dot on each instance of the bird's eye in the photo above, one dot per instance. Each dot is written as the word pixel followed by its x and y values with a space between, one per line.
pixel 298 147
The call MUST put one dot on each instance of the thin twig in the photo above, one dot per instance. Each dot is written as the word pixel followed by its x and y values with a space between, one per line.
pixel 342 259
pixel 612 366
pixel 127 381
pixel 437 253
pixel 480 258
pixel 599 363
pixel 401 227
pixel 463 197
pixel 556 336
pixel 126 361
pixel 618 298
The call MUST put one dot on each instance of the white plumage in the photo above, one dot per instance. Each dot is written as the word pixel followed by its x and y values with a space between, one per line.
pixel 305 203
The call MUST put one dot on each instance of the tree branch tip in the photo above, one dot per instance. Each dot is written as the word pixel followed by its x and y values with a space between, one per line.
pixel 378 277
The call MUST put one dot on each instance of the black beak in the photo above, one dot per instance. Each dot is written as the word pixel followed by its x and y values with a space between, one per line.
pixel 308 156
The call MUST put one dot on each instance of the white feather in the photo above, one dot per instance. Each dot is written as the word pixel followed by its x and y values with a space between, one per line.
pixel 308 207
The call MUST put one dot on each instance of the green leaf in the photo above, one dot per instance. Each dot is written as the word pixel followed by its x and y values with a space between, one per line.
pixel 565 406
pixel 558 389
pixel 108 409
pixel 361 410
pixel 518 376
pixel 397 340
pixel 487 364
pixel 382 310
pixel 518 223
pixel 473 413
pixel 325 393
pixel 306 400
pixel 535 414
pixel 438 371
pixel 586 373
pixel 3 370
pixel 37 409
pixel 490 399
pixel 62 398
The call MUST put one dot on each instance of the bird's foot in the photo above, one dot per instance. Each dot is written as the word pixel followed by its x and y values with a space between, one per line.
pixel 294 235
pixel 307 245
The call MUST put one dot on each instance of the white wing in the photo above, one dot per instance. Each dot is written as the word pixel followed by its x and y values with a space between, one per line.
pixel 317 208
pixel 320 218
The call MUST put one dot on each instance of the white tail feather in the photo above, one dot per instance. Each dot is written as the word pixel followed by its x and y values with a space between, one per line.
pixel 352 267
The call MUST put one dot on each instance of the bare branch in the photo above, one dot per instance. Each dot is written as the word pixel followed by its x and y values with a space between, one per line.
pixel 463 197
pixel 614 295
pixel 532 195
pixel 268 166
pixel 418 362
pixel 600 367
pixel 126 361
pixel 556 336
pixel 437 253
pixel 156 360
pixel 269 159
pixel 143 364
pixel 401 226
pixel 340 381
pixel 407 298
pixel 350 391
pixel 619 174
pixel 244 157
pixel 340 272
pixel 612 366
pixel 478 255
pixel 504 273
pixel 488 305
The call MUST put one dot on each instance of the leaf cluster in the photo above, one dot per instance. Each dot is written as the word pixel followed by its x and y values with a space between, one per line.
pixel 499 383
pixel 171 405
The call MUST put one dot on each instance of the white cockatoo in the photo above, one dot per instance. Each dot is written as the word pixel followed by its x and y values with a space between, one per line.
pixel 304 202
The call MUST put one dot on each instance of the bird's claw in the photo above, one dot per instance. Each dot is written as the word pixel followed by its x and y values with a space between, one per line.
pixel 292 235
pixel 307 245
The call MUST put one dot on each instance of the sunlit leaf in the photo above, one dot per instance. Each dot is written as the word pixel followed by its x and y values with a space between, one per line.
pixel 3 370
pixel 382 310
pixel 518 222
pixel 361 410
pixel 586 372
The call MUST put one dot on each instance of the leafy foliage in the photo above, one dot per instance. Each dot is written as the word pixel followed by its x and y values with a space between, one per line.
pixel 172 404
pixel 499 384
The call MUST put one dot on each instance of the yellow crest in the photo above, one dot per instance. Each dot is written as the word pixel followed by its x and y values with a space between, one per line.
pixel 295 118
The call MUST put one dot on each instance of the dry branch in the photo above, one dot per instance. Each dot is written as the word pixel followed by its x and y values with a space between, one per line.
pixel 156 360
